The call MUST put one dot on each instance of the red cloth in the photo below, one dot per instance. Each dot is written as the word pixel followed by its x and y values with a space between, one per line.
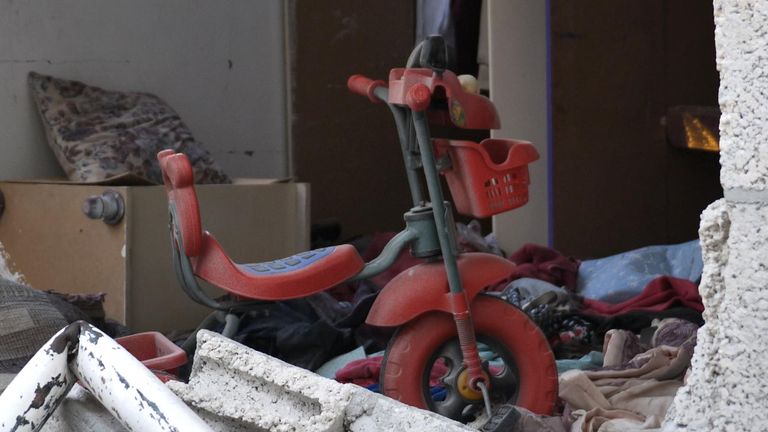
pixel 660 294
pixel 365 372
pixel 549 265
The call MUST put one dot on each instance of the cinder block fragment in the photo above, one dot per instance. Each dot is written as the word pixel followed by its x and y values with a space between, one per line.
pixel 233 387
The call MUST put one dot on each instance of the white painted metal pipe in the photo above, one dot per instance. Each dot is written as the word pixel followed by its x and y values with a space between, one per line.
pixel 33 395
pixel 132 393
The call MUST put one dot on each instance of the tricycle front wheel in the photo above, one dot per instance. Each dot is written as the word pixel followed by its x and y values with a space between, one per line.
pixel 423 364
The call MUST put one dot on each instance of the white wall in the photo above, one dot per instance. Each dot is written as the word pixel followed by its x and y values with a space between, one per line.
pixel 518 83
pixel 178 49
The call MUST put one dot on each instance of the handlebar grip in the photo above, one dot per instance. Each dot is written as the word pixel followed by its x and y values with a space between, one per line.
pixel 365 86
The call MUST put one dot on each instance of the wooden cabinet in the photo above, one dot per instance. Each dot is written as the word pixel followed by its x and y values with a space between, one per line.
pixel 48 239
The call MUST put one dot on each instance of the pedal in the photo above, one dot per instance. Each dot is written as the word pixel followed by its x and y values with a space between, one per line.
pixel 505 418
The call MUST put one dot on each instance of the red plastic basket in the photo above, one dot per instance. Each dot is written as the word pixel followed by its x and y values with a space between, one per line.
pixel 155 351
pixel 490 177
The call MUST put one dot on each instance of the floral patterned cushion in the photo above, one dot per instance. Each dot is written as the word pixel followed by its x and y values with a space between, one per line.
pixel 99 134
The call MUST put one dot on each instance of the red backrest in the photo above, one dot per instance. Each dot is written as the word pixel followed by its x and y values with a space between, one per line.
pixel 179 180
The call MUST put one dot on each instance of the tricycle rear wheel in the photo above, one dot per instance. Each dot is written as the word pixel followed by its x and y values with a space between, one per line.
pixel 426 349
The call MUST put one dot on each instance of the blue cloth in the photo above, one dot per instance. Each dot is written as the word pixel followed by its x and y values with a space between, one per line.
pixel 590 361
pixel 620 277
pixel 438 393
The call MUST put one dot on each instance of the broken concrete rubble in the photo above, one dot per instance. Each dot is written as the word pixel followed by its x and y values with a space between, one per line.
pixel 5 271
pixel 233 387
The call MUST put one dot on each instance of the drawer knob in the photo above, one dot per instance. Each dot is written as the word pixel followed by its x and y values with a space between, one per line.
pixel 109 207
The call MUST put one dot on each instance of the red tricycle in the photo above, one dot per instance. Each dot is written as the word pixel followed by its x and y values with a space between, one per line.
pixel 478 348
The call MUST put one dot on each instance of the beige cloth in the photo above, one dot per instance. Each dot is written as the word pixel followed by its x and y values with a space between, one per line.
pixel 635 398
pixel 602 420
pixel 620 346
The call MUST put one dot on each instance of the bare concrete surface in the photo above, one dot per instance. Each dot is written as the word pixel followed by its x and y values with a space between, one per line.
pixel 726 389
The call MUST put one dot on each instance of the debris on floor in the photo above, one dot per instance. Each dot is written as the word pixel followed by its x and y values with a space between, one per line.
pixel 619 363
pixel 5 272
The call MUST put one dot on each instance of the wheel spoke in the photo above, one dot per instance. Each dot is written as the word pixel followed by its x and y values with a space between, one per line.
pixel 452 351
pixel 504 386
pixel 453 405
pixel 451 355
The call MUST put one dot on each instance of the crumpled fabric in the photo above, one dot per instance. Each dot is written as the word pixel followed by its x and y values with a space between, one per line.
pixel 300 332
pixel 590 361
pixel 635 395
pixel 28 318
pixel 365 372
pixel 660 294
pixel 470 239
pixel 602 420
pixel 603 401
pixel 522 292
pixel 543 263
pixel 620 277
pixel 620 346
pixel 673 332
pixel 639 320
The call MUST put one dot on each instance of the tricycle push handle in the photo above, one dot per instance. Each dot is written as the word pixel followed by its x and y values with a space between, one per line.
pixel 365 86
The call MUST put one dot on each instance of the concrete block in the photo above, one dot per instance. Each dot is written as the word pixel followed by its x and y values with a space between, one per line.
pixel 742 53
pixel 233 387
pixel 726 387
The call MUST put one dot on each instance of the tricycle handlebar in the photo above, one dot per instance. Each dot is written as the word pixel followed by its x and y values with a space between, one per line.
pixel 365 86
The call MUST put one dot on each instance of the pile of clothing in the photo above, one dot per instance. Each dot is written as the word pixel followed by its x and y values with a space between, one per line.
pixel 623 330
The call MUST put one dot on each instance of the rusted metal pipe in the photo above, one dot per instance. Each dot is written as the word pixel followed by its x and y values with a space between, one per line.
pixel 126 388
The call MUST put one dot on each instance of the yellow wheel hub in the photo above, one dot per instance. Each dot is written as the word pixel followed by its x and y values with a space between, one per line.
pixel 467 392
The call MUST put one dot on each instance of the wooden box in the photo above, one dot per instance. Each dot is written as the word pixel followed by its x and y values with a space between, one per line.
pixel 50 242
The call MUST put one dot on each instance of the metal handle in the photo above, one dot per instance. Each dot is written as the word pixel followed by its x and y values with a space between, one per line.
pixel 109 207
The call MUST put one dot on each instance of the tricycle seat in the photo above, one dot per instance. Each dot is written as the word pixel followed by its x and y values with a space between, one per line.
pixel 292 263
pixel 200 255
pixel 295 276
pixel 292 277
